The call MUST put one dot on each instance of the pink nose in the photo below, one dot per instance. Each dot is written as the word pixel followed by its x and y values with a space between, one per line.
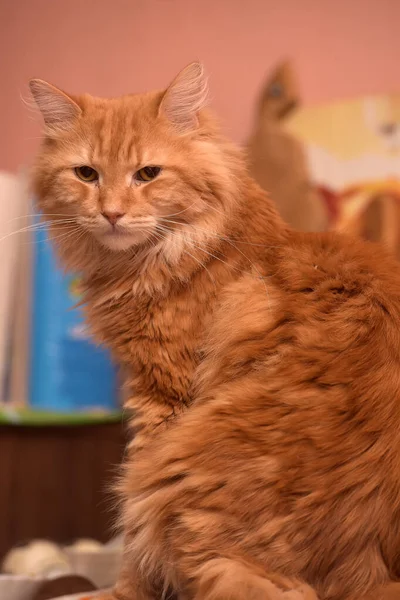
pixel 112 217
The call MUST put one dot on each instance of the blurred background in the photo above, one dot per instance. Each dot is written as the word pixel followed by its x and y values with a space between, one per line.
pixel 343 49
pixel 311 90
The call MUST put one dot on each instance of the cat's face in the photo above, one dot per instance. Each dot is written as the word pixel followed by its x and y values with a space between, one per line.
pixel 129 171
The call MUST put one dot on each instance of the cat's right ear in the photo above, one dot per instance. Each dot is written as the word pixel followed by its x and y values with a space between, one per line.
pixel 185 97
pixel 59 111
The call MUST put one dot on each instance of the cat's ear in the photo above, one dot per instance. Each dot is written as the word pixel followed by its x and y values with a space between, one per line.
pixel 59 111
pixel 185 97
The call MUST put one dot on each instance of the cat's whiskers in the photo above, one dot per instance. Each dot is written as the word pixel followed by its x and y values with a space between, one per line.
pixel 46 226
pixel 37 215
pixel 32 228
pixel 32 241
pixel 41 225
pixel 65 229
pixel 68 234
pixel 180 212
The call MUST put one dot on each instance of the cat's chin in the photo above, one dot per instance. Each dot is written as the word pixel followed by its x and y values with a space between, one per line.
pixel 118 242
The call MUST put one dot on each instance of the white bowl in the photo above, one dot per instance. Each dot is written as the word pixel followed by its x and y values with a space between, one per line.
pixel 18 587
pixel 101 567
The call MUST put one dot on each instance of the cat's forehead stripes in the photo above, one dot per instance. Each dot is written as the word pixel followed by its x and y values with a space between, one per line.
pixel 121 134
pixel 114 135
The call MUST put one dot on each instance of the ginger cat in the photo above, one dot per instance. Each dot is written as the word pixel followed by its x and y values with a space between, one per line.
pixel 264 363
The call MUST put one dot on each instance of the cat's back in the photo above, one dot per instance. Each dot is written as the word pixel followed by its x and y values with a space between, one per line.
pixel 333 262
pixel 326 310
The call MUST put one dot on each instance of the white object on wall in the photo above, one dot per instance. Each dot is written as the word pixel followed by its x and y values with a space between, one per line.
pixel 13 203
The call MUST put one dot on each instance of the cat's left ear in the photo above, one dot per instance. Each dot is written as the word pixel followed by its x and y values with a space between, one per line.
pixel 59 111
pixel 185 97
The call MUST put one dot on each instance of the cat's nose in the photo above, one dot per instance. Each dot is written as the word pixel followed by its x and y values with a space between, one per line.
pixel 112 216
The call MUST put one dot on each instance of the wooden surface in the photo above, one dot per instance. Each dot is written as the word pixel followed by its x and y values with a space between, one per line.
pixel 55 482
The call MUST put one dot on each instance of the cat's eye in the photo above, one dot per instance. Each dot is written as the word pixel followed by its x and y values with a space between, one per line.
pixel 147 173
pixel 86 173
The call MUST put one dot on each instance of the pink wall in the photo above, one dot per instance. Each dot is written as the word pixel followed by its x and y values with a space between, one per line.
pixel 108 47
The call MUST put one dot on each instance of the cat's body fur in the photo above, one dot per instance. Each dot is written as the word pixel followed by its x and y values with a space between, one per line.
pixel 265 377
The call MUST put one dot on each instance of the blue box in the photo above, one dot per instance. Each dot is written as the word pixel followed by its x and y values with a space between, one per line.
pixel 68 371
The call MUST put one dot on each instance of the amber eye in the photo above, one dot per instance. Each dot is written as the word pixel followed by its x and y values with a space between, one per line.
pixel 147 173
pixel 86 173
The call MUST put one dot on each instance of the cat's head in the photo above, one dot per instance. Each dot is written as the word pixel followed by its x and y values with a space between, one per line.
pixel 141 169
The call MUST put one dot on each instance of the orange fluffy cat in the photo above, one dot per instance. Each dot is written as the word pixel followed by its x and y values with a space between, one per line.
pixel 264 363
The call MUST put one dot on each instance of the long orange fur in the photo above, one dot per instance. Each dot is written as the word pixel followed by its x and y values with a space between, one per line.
pixel 264 363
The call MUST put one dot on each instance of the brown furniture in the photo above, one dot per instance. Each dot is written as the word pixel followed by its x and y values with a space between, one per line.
pixel 56 482
pixel 63 586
